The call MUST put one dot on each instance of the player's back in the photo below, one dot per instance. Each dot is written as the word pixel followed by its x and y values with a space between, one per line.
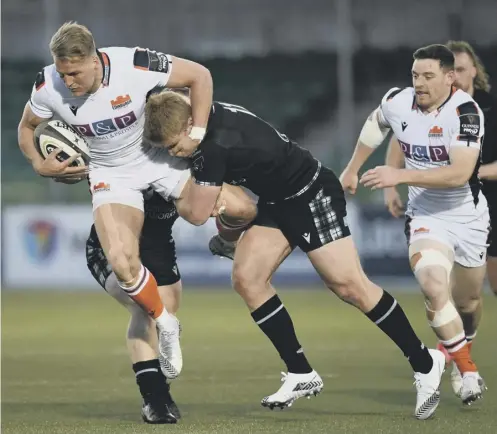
pixel 426 140
pixel 259 157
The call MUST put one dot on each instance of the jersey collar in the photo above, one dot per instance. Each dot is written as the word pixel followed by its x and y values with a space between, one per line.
pixel 437 111
pixel 105 62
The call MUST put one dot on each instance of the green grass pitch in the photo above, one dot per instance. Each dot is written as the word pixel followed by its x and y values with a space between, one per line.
pixel 65 369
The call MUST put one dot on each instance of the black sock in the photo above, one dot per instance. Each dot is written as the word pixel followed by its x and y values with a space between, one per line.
pixel 389 317
pixel 150 380
pixel 274 320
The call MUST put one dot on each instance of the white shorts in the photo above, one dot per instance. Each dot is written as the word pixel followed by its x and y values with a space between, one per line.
pixel 468 241
pixel 124 184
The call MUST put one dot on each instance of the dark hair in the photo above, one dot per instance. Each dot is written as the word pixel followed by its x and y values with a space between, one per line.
pixel 436 52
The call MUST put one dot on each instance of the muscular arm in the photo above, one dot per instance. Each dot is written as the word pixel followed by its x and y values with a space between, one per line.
pixel 456 174
pixel 25 135
pixel 186 73
pixel 372 135
pixel 488 171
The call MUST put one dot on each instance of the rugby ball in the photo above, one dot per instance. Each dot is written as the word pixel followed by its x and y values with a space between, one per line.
pixel 56 134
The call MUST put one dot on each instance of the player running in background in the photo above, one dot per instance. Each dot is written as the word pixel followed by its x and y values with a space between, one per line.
pixel 102 94
pixel 440 131
pixel 301 203
pixel 158 254
pixel 471 77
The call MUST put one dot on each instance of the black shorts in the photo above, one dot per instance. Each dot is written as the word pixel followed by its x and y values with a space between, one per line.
pixel 312 219
pixel 492 236
pixel 157 248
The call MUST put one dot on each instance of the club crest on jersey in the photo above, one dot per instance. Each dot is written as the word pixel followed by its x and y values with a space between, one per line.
pixel 424 153
pixel 101 186
pixel 120 102
pixel 436 132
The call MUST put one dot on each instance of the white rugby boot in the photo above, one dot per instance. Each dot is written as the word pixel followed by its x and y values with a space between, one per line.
pixel 220 247
pixel 294 386
pixel 471 389
pixel 170 355
pixel 456 380
pixel 428 387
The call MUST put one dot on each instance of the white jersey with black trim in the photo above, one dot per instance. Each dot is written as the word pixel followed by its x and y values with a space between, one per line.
pixel 111 119
pixel 426 140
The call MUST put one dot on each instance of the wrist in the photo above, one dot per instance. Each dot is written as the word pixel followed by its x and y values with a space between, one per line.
pixel 197 133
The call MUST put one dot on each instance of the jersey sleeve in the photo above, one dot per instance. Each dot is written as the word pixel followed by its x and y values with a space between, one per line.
pixel 384 112
pixel 209 164
pixel 467 127
pixel 39 102
pixel 154 67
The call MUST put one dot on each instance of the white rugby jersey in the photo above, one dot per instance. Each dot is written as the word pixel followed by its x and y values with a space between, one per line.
pixel 426 140
pixel 112 118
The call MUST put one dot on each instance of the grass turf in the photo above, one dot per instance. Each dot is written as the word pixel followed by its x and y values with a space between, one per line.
pixel 65 369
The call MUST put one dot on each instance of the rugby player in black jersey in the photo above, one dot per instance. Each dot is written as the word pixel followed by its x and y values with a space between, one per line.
pixel 301 204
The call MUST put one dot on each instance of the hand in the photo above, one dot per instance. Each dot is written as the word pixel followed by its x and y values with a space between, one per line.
pixel 53 168
pixel 184 148
pixel 393 202
pixel 349 180
pixel 381 177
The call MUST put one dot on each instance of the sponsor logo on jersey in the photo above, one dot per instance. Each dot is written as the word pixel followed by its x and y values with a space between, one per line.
pixel 101 186
pixel 424 152
pixel 120 102
pixel 106 126
pixel 436 132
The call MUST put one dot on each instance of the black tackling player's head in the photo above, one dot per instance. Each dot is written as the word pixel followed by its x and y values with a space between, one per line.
pixel 168 118
pixel 432 75
pixel 76 59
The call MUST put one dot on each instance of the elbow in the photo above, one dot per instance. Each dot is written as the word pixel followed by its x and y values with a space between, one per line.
pixel 459 181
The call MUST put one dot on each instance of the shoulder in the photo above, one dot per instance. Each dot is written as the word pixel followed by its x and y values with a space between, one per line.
pixel 149 60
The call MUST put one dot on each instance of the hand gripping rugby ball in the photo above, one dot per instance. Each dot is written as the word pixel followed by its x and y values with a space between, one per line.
pixel 56 134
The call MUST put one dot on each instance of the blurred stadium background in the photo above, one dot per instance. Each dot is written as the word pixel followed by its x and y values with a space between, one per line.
pixel 314 68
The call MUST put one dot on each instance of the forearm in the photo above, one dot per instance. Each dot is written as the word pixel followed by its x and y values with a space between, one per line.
pixel 236 205
pixel 201 91
pixel 25 138
pixel 488 171
pixel 441 177
pixel 359 157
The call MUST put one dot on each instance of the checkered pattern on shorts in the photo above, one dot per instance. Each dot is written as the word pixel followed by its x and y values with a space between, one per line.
pixel 325 219
pixel 97 262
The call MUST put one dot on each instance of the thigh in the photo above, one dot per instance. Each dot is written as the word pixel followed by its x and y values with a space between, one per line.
pixel 317 217
pixel 118 228
pixel 492 234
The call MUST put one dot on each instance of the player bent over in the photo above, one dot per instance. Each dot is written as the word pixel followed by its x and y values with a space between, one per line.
pixel 301 203
pixel 157 251
pixel 101 93
pixel 440 130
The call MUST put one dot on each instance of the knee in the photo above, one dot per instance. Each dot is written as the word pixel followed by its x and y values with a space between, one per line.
pixel 468 304
pixel 434 286
pixel 124 261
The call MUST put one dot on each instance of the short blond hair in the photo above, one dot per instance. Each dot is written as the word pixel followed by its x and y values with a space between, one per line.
pixel 481 79
pixel 72 40
pixel 166 115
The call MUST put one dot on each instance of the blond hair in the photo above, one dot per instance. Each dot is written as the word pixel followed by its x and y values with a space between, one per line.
pixel 72 40
pixel 481 79
pixel 166 115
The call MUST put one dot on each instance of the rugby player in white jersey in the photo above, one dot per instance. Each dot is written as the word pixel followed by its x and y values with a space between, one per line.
pixel 466 288
pixel 102 94
pixel 440 130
